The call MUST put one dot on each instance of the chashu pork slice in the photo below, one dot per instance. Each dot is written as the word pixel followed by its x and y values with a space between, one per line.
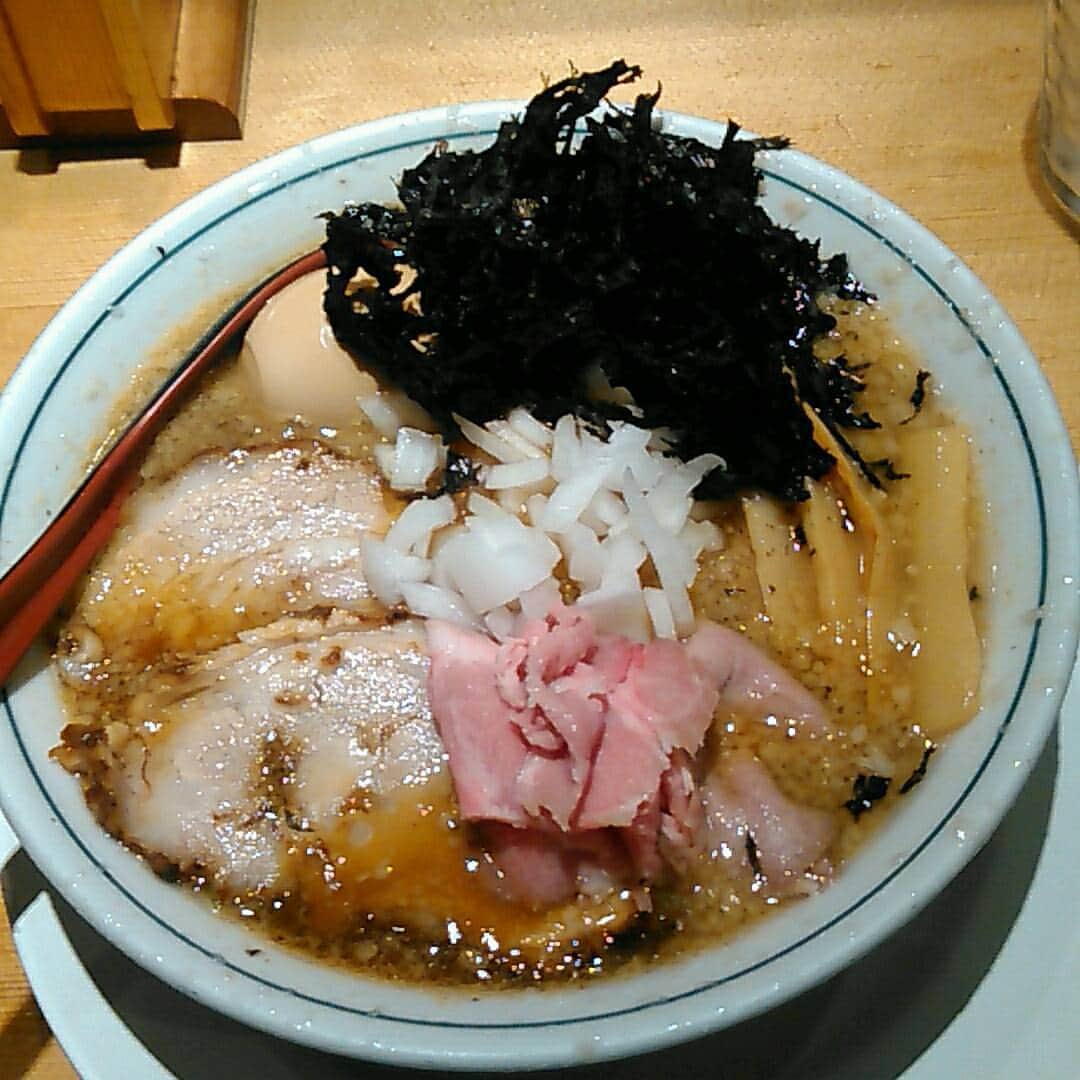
pixel 303 762
pixel 228 760
pixel 230 542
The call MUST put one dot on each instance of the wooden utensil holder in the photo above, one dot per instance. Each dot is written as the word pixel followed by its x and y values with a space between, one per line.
pixel 79 70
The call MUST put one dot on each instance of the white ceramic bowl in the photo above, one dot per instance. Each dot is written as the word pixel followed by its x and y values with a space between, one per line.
pixel 225 239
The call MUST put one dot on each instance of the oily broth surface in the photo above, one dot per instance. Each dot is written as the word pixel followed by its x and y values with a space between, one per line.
pixel 705 906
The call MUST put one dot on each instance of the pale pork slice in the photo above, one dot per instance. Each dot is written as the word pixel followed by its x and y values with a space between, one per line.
pixel 303 761
pixel 750 681
pixel 278 736
pixel 230 542
pixel 753 825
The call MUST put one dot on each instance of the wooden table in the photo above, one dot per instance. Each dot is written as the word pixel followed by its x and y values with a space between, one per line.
pixel 931 104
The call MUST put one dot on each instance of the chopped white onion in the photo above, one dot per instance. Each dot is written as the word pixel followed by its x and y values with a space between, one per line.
pixel 439 568
pixel 385 569
pixel 506 431
pixel 516 473
pixel 584 555
pixel 589 519
pixel 623 554
pixel 696 469
pixel 498 448
pixel 482 507
pixel 608 507
pixel 537 602
pixel 434 602
pixel 618 611
pixel 534 507
pixel 673 565
pixel 670 499
pixel 417 456
pixel 412 531
pixel 530 429
pixel 626 449
pixel 661 440
pixel 663 622
pixel 385 456
pixel 512 500
pixel 569 499
pixel 598 387
pixel 565 448
pixel 601 507
pixel 491 564
pixel 702 536
pixel 668 504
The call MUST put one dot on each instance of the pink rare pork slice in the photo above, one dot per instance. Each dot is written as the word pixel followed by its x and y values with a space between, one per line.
pixel 579 746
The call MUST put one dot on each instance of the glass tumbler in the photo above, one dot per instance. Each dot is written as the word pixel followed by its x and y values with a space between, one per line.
pixel 1059 105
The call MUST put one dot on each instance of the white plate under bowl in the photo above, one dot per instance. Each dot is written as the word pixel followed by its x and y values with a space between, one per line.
pixel 230 236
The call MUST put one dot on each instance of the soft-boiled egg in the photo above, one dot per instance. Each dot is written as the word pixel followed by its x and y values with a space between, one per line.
pixel 294 362
pixel 295 365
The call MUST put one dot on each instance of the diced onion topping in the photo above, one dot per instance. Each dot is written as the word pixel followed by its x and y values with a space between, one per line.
pixel 603 511
pixel 385 569
pixel 412 461
pixel 435 602
pixel 411 533
pixel 516 474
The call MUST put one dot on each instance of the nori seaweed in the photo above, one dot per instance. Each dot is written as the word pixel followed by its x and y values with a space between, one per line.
pixel 920 770
pixel 642 251
pixel 866 791
pixel 918 395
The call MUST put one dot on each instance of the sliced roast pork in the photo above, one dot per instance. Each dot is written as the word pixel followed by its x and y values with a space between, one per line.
pixel 579 749
pixel 565 734
pixel 231 542
pixel 760 832
pixel 226 759
pixel 751 682
pixel 302 761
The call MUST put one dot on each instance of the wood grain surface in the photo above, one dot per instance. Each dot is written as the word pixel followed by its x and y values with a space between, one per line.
pixel 931 102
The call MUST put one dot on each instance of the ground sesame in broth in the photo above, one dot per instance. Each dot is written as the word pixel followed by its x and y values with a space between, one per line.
pixel 470 936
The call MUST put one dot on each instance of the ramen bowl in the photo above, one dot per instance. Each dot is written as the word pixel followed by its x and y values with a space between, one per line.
pixel 153 300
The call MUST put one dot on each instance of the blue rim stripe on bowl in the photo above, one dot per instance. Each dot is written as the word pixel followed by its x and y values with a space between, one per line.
pixel 670 999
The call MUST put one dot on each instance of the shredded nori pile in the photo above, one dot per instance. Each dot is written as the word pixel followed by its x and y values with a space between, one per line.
pixel 507 273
